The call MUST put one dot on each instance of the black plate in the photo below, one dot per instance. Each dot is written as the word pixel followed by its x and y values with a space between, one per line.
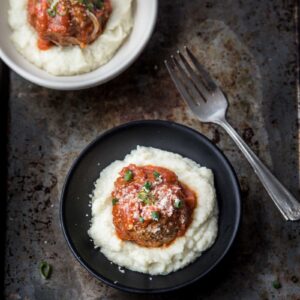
pixel 114 145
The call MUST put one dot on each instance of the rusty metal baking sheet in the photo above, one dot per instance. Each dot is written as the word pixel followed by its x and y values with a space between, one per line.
pixel 251 48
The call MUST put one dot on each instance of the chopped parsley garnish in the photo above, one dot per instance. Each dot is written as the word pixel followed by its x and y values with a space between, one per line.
pixel 155 215
pixel 45 269
pixel 276 284
pixel 145 197
pixel 99 3
pixel 128 175
pixel 84 2
pixel 178 203
pixel 91 4
pixel 142 195
pixel 114 201
pixel 147 186
pixel 141 219
pixel 156 174
pixel 52 11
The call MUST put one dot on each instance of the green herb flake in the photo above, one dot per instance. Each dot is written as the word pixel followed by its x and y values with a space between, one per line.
pixel 51 12
pixel 128 175
pixel 114 201
pixel 147 201
pixel 99 3
pixel 142 195
pixel 276 284
pixel 156 174
pixel 146 197
pixel 90 6
pixel 45 269
pixel 155 215
pixel 141 219
pixel 178 203
pixel 147 186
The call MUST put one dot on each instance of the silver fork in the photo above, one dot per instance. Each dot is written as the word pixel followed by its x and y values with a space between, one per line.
pixel 208 103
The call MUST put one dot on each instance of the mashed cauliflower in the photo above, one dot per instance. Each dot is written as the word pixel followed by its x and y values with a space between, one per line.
pixel 72 60
pixel 199 236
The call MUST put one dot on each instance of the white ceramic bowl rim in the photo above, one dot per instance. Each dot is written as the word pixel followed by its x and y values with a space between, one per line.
pixel 70 82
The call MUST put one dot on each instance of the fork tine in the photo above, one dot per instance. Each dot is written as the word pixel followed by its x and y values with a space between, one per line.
pixel 180 87
pixel 200 84
pixel 204 74
pixel 188 82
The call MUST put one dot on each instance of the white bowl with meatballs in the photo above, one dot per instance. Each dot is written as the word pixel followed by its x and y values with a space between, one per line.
pixel 76 44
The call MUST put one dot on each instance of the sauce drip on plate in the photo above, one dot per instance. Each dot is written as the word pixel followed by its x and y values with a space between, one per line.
pixel 151 207
pixel 68 22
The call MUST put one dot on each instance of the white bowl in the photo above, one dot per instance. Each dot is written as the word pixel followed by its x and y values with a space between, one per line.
pixel 145 13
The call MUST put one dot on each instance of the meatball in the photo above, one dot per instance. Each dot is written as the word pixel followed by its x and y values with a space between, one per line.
pixel 150 206
pixel 68 22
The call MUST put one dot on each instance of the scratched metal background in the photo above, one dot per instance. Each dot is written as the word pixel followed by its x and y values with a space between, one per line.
pixel 250 47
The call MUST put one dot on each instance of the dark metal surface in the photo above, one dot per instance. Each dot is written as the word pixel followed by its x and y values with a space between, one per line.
pixel 250 48
pixel 4 92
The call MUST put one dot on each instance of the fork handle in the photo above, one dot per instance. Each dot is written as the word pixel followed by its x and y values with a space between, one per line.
pixel 284 200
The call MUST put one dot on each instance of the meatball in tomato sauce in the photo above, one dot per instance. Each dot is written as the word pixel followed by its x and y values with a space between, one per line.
pixel 68 22
pixel 151 207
